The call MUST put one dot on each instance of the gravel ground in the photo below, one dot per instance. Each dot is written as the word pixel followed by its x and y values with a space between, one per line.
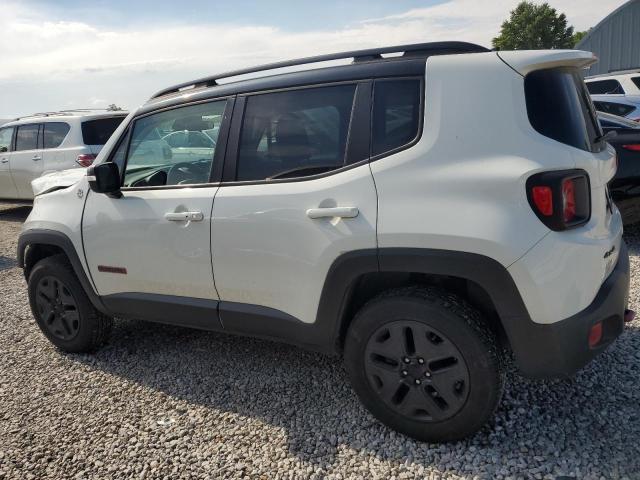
pixel 165 402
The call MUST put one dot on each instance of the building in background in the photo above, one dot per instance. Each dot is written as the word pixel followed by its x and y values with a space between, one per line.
pixel 615 40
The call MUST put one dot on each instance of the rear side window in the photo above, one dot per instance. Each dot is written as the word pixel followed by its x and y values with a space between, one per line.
pixel 27 137
pixel 636 81
pixel 560 108
pixel 54 133
pixel 294 133
pixel 619 109
pixel 5 139
pixel 396 114
pixel 97 132
pixel 604 87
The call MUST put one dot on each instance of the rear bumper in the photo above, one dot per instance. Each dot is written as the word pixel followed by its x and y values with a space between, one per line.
pixel 560 349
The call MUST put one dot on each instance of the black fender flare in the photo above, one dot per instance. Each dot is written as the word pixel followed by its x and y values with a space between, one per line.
pixel 58 239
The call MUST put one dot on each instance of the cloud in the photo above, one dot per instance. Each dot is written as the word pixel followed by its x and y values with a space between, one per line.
pixel 65 61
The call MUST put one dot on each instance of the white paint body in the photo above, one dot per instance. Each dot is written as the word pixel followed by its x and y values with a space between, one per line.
pixel 461 187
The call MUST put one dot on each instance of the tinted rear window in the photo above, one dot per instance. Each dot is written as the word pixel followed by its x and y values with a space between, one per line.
pixel 559 107
pixel 97 132
pixel 619 109
pixel 396 114
pixel 602 87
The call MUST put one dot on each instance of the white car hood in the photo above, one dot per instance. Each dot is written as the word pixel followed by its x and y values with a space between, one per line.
pixel 57 180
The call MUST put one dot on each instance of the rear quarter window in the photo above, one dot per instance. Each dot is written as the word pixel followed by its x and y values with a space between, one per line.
pixel 98 131
pixel 559 107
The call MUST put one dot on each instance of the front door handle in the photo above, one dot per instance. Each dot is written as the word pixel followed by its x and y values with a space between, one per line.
pixel 184 216
pixel 343 212
pixel 5 160
pixel 36 158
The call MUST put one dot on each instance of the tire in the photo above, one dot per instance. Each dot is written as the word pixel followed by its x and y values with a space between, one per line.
pixel 62 309
pixel 424 363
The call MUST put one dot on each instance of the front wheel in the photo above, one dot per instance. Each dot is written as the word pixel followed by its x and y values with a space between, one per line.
pixel 62 309
pixel 425 364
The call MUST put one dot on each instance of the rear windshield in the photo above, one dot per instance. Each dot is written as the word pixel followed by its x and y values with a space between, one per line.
pixel 97 132
pixel 559 107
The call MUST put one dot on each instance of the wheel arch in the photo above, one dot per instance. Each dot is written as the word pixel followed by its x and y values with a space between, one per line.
pixel 356 277
pixel 37 244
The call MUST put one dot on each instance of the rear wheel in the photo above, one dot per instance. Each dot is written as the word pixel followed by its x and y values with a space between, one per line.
pixel 423 362
pixel 62 309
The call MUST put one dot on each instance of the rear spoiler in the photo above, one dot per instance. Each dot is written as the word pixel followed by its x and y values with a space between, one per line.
pixel 526 61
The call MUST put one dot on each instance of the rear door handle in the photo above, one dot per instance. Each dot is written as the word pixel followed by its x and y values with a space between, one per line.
pixel 184 216
pixel 36 158
pixel 343 212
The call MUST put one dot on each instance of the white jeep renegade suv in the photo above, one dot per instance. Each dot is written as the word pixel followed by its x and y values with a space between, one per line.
pixel 356 209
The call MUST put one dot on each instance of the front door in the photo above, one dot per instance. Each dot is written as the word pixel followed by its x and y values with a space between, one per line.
pixel 26 160
pixel 153 243
pixel 293 205
pixel 7 187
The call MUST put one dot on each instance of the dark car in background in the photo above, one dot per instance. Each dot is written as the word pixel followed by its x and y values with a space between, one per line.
pixel 625 186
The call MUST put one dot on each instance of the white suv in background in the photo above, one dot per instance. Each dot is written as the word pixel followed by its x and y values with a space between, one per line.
pixel 616 93
pixel 48 142
pixel 353 210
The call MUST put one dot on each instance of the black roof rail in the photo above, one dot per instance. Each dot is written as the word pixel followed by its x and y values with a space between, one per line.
pixel 368 55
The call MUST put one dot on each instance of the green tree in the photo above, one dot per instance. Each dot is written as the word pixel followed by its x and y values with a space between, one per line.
pixel 534 27
pixel 577 36
pixel 113 108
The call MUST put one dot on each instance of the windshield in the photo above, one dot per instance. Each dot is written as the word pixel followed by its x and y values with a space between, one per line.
pixel 559 107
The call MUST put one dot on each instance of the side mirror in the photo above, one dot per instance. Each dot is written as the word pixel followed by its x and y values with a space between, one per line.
pixel 105 178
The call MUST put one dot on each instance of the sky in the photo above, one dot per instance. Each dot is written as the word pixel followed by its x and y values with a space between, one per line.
pixel 77 54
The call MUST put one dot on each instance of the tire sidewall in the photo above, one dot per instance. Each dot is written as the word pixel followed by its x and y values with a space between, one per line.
pixel 484 374
pixel 52 267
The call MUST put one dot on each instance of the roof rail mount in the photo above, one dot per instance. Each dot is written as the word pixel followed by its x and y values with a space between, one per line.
pixel 67 112
pixel 417 50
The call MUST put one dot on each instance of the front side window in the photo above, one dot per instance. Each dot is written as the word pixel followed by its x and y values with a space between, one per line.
pixel 27 137
pixel 605 87
pixel 5 139
pixel 174 147
pixel 396 114
pixel 54 133
pixel 295 133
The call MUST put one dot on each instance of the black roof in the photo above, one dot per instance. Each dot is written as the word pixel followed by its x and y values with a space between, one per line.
pixel 374 55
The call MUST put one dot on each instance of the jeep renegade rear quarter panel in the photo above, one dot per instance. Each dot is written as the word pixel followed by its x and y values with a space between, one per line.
pixel 462 186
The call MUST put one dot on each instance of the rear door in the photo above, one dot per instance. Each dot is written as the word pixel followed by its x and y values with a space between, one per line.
pixel 298 194
pixel 7 187
pixel 58 152
pixel 26 160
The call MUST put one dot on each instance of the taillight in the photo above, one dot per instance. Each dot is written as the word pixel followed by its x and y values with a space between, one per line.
pixel 561 200
pixel 85 159
pixel 635 147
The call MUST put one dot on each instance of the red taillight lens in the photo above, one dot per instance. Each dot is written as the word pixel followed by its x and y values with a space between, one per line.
pixel 560 199
pixel 85 159
pixel 595 334
pixel 543 199
pixel 568 200
pixel 633 147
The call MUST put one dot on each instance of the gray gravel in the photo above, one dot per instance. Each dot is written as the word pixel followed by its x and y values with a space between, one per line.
pixel 166 402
